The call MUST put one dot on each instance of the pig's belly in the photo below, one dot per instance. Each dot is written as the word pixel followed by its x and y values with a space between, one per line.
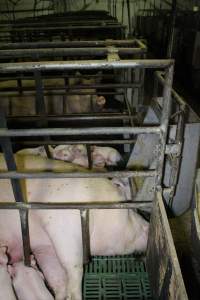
pixel 72 190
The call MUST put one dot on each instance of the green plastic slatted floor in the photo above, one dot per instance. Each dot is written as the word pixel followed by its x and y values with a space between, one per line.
pixel 116 278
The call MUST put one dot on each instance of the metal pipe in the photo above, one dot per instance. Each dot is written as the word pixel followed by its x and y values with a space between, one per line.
pixel 86 205
pixel 84 65
pixel 70 44
pixel 71 118
pixel 90 142
pixel 176 96
pixel 83 174
pixel 167 101
pixel 46 52
pixel 79 131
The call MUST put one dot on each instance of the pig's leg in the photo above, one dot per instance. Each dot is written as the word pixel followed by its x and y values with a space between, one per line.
pixel 47 259
pixel 64 229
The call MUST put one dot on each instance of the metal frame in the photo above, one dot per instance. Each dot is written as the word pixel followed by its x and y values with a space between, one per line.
pixel 112 49
pixel 6 135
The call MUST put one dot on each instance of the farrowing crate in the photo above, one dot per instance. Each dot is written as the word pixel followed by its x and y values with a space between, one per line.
pixel 161 260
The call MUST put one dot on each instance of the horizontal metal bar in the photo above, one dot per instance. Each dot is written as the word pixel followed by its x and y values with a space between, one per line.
pixel 84 65
pixel 75 88
pixel 79 131
pixel 41 175
pixel 71 44
pixel 70 118
pixel 90 142
pixel 38 53
pixel 79 206
pixel 63 28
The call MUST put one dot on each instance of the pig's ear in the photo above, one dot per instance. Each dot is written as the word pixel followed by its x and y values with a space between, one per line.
pixel 101 100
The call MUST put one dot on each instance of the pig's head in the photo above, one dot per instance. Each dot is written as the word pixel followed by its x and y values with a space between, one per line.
pixel 64 152
pixel 105 156
pixel 124 187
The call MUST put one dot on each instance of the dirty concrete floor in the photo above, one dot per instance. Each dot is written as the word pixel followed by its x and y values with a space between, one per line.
pixel 181 231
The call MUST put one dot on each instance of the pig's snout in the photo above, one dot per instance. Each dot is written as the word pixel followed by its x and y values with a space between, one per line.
pixel 101 101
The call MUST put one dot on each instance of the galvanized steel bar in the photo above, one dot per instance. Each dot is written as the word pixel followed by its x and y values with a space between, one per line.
pixel 176 96
pixel 79 205
pixel 84 65
pixel 78 131
pixel 88 142
pixel 167 101
pixel 85 235
pixel 112 174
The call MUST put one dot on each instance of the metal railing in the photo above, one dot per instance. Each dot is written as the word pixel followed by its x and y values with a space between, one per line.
pixel 7 134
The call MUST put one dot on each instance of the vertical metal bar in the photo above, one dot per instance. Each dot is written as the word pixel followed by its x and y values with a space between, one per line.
pixel 167 101
pixel 122 20
pixel 129 15
pixel 85 235
pixel 40 106
pixel 11 165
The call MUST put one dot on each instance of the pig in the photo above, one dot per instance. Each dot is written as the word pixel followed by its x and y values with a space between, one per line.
pixel 24 104
pixel 35 151
pixel 105 156
pixel 41 246
pixel 101 156
pixel 28 283
pixel 111 232
pixel 6 289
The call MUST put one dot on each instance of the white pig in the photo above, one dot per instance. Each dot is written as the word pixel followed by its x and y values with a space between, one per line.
pixel 101 156
pixel 6 290
pixel 111 231
pixel 28 283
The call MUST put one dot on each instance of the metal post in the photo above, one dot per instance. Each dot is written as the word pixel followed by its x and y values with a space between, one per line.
pixel 40 106
pixel 164 122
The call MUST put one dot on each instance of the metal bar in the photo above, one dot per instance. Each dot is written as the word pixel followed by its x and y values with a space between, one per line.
pixel 84 65
pixel 32 53
pixel 85 234
pixel 71 118
pixel 76 87
pixel 90 142
pixel 86 205
pixel 63 28
pixel 71 44
pixel 11 165
pixel 40 107
pixel 167 101
pixel 176 96
pixel 113 174
pixel 79 131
